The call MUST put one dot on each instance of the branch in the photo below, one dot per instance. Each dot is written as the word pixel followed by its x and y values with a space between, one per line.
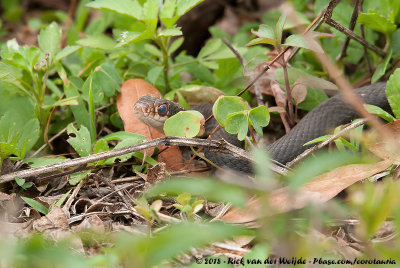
pixel 219 145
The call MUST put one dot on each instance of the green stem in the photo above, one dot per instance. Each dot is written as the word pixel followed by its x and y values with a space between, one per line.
pixel 163 44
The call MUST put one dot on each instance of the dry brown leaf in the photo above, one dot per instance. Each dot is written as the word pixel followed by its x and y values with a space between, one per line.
pixel 386 148
pixel 299 93
pixel 93 223
pixel 317 191
pixel 131 91
pixel 280 97
pixel 56 218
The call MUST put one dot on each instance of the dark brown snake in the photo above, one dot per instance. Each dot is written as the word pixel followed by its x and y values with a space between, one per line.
pixel 326 116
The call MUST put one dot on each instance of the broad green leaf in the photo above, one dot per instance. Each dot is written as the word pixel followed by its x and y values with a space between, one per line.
pixel 257 41
pixel 296 40
pixel 259 117
pixel 49 38
pixel 395 43
pixel 152 49
pixel 210 48
pixel 82 142
pixel 7 149
pixel 226 105
pixel 185 124
pixel 150 11
pixel 66 51
pixel 204 188
pixel 209 64
pixel 130 8
pixel 100 146
pixel 184 6
pixel 36 205
pixel 381 68
pixel 393 92
pixel 265 32
pixel 122 158
pixel 153 74
pixel 100 41
pixel 380 112
pixel 313 99
pixel 237 123
pixel 377 22
pixel 167 13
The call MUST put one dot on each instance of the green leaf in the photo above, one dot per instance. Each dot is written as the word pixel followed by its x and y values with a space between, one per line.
pixel 167 13
pixel 66 51
pixel 62 199
pixel 257 41
pixel 38 162
pixel 49 38
pixel 279 29
pixel 150 11
pixel 237 123
pixel 381 68
pixel 123 135
pixel 36 205
pixel 7 149
pixel 226 105
pixel 186 236
pixel 313 99
pixel 264 31
pixel 211 47
pixel 380 112
pixel 130 8
pixel 377 22
pixel 259 117
pixel 99 41
pixel 154 74
pixel 204 188
pixel 209 64
pixel 63 102
pixel 395 43
pixel 152 49
pixel 184 124
pixel 175 45
pixel 172 31
pixel 319 139
pixel 122 158
pixel 393 92
pixel 76 177
pixel 184 6
pixel 296 40
pixel 82 142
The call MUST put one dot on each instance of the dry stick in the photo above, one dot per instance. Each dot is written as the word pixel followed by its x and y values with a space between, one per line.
pixel 326 142
pixel 348 94
pixel 352 25
pixel 220 145
pixel 352 35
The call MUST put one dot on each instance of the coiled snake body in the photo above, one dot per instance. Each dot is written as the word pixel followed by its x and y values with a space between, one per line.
pixel 326 116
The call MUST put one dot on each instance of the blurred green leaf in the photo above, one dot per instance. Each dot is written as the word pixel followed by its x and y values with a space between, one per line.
pixel 49 38
pixel 36 205
pixel 393 92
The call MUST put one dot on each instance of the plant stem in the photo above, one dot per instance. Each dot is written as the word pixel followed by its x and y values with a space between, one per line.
pixel 289 94
pixel 163 44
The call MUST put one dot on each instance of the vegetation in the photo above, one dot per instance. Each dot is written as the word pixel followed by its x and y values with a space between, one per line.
pixel 58 102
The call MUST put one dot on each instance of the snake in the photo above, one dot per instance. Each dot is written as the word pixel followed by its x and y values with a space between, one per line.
pixel 326 116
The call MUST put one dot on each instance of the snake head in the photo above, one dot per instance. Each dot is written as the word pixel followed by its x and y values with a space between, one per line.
pixel 155 111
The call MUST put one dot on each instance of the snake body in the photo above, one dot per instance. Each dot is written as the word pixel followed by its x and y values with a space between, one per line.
pixel 326 116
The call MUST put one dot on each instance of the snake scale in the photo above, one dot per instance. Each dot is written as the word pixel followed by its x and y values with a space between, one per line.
pixel 326 116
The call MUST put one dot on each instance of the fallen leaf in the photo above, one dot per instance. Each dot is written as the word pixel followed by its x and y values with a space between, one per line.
pixel 299 93
pixel 386 148
pixel 131 91
pixel 317 191
pixel 56 218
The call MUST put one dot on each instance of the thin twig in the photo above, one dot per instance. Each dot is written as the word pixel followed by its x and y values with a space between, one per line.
pixel 352 25
pixel 220 145
pixel 325 142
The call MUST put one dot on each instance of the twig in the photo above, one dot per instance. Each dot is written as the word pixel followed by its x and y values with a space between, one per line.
pixel 325 142
pixel 347 32
pixel 346 88
pixel 352 25
pixel 221 145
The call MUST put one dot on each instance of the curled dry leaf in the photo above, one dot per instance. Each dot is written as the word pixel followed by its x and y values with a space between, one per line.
pixel 280 97
pixel 317 191
pixel 131 91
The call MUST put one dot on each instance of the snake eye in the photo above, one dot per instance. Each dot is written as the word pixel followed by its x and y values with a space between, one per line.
pixel 162 110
